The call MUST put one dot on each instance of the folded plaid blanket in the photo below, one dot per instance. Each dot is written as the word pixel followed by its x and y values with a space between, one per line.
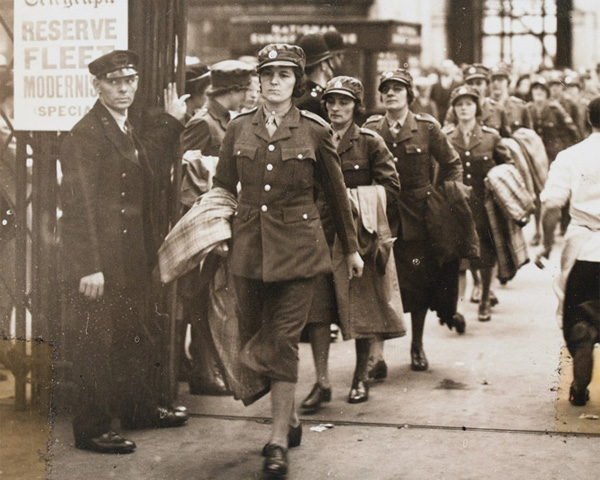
pixel 203 227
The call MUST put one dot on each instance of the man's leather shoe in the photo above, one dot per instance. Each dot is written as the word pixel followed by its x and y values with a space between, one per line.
pixel 418 360
pixel 359 392
pixel 169 417
pixel 379 371
pixel 109 442
pixel 578 397
pixel 317 395
pixel 276 464
pixel 294 438
pixel 163 417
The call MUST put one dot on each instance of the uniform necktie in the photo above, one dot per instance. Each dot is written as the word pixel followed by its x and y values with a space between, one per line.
pixel 395 129
pixel 467 138
pixel 128 129
pixel 271 124
pixel 336 139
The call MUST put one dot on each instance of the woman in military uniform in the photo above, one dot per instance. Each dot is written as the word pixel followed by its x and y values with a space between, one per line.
pixel 420 151
pixel 365 160
pixel 480 150
pixel 556 128
pixel 277 153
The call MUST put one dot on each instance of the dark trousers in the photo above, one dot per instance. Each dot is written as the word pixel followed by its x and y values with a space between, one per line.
pixel 272 316
pixel 113 354
pixel 581 322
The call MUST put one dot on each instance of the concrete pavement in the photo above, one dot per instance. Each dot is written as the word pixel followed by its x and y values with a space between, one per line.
pixel 493 405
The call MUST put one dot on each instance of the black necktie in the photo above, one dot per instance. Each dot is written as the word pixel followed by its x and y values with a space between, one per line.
pixel 129 131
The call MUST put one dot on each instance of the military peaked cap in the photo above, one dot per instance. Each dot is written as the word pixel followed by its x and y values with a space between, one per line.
pixel 399 75
pixel 118 63
pixel 344 85
pixel 282 55
pixel 230 73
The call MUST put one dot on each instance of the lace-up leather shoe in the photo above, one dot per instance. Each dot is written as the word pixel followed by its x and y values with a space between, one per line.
pixel 109 442
pixel 276 464
pixel 294 438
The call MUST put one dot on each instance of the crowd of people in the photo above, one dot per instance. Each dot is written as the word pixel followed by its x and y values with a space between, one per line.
pixel 299 220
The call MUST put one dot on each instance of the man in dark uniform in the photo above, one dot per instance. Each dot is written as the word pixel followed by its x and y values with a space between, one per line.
pixel 319 70
pixel 419 148
pixel 337 47
pixel 492 112
pixel 228 83
pixel 515 108
pixel 107 257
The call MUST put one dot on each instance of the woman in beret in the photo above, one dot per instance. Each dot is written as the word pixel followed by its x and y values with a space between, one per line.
pixel 277 153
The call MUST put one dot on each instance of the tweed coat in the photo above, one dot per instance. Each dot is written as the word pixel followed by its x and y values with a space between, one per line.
pixel 106 187
pixel 277 231
pixel 419 150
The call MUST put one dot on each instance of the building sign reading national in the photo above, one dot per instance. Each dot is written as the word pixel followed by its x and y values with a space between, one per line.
pixel 54 41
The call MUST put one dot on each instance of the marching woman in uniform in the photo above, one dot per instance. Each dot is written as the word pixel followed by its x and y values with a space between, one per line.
pixel 480 150
pixel 365 160
pixel 419 149
pixel 277 153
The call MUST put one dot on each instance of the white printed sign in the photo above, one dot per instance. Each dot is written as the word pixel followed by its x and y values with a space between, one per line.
pixel 54 41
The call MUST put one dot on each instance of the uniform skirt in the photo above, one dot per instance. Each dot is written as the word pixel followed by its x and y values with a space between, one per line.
pixel 423 283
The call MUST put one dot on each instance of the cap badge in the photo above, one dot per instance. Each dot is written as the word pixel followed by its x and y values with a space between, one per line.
pixel 120 59
pixel 462 90
pixel 338 85
pixel 472 70
pixel 389 74
pixel 272 54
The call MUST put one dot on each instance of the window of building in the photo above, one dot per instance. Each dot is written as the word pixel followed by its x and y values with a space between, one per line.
pixel 522 33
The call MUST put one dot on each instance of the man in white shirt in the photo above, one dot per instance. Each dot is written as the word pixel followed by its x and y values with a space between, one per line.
pixel 574 178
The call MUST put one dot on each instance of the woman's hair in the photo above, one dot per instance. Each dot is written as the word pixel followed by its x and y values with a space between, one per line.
pixel 410 94
pixel 299 86
pixel 478 111
pixel 359 108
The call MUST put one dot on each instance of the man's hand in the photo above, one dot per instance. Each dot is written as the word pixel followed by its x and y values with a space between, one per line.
pixel 355 265
pixel 175 106
pixel 92 286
